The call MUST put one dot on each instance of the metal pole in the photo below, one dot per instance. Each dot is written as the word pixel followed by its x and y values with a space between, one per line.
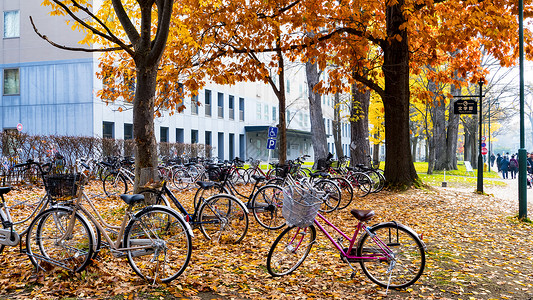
pixel 480 156
pixel 522 177
pixel 490 148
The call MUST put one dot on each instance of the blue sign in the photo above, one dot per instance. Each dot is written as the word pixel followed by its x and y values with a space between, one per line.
pixel 483 144
pixel 272 132
pixel 271 143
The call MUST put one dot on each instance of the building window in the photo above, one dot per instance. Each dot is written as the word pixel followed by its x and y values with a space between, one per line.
pixel 208 103
pixel 108 130
pixel 179 135
pixel 265 112
pixel 274 113
pixel 11 82
pixel 163 134
pixel 194 136
pixel 11 24
pixel 288 86
pixel 194 105
pixel 208 138
pixel 231 107
pixel 220 105
pixel 258 111
pixel 128 131
pixel 241 109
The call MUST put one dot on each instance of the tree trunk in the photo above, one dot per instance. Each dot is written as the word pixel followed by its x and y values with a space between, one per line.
pixel 282 138
pixel 143 118
pixel 359 145
pixel 452 134
pixel 375 156
pixel 337 132
pixel 414 146
pixel 399 168
pixel 439 133
pixel 318 138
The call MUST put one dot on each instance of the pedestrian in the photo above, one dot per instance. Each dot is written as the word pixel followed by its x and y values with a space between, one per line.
pixel 492 159
pixel 513 166
pixel 504 166
pixel 499 162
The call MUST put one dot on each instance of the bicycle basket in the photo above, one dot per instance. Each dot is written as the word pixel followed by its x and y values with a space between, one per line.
pixel 61 186
pixel 300 206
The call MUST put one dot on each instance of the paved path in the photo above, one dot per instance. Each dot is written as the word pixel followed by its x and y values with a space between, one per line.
pixel 508 193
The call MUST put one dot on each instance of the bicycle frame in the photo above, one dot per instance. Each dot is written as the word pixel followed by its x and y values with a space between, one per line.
pixel 360 228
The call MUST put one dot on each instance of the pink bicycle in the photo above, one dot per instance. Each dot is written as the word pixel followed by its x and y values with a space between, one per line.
pixel 390 254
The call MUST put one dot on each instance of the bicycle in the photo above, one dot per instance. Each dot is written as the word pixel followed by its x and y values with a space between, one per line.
pixel 156 240
pixel 221 217
pixel 265 203
pixel 117 180
pixel 390 254
pixel 8 235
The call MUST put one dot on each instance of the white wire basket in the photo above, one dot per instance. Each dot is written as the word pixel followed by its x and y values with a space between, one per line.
pixel 300 205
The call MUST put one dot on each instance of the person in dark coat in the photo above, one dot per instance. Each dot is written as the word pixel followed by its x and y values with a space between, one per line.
pixel 504 166
pixel 492 159
pixel 513 166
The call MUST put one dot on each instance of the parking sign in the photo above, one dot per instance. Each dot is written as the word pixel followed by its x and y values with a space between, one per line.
pixel 272 132
pixel 271 144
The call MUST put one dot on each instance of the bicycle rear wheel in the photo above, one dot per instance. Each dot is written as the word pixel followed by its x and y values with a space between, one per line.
pixel 408 256
pixel 163 244
pixel 49 239
pixel 4 227
pixel 115 184
pixel 224 219
pixel 290 249
pixel 266 207
pixel 346 191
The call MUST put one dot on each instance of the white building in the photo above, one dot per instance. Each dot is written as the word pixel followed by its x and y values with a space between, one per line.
pixel 52 91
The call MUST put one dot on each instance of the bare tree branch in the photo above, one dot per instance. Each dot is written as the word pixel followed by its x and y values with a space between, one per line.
pixel 44 37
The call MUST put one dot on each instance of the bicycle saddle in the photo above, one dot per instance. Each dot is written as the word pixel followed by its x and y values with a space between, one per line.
pixel 362 215
pixel 4 190
pixel 258 178
pixel 132 199
pixel 205 184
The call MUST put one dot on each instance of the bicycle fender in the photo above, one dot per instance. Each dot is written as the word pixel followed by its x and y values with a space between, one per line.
pixel 187 225
pixel 407 228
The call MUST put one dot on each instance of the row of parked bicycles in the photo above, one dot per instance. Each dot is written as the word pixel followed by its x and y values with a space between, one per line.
pixel 67 229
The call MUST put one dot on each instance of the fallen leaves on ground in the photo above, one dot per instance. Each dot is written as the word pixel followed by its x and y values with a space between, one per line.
pixel 476 250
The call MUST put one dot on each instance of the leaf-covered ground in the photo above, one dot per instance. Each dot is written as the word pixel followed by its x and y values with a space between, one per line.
pixel 476 250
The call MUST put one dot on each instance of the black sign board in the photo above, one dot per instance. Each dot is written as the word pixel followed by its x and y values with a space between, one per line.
pixel 465 107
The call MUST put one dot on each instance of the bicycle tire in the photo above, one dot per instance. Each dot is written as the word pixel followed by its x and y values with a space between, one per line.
pixel 346 191
pixel 115 184
pixel 168 240
pixel 289 250
pixel 362 184
pixel 237 176
pixel 333 194
pixel 408 251
pixel 376 180
pixel 223 218
pixel 210 192
pixel 152 197
pixel 181 179
pixel 266 206
pixel 4 227
pixel 47 243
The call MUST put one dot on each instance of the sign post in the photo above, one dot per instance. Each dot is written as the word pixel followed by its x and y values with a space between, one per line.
pixel 19 127
pixel 271 141
pixel 468 106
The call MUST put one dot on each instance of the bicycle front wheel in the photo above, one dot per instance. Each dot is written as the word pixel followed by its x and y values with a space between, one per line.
pixel 290 249
pixel 115 184
pixel 397 265
pixel 223 219
pixel 266 207
pixel 161 244
pixel 332 199
pixel 54 239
